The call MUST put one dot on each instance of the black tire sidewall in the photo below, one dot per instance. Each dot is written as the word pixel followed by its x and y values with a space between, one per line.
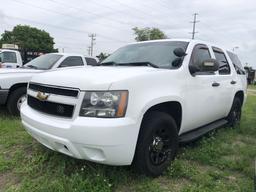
pixel 13 99
pixel 149 125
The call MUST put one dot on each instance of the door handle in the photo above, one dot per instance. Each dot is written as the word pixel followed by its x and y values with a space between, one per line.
pixel 215 84
pixel 233 82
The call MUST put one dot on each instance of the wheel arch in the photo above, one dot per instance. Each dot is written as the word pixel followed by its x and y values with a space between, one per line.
pixel 14 87
pixel 240 95
pixel 173 108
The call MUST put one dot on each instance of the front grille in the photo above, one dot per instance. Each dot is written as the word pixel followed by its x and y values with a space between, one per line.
pixel 51 108
pixel 54 90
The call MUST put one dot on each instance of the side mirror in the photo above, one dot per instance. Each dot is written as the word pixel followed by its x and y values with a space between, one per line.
pixel 210 65
pixel 179 52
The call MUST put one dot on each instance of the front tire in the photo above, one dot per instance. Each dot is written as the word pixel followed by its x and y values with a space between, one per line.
pixel 157 144
pixel 15 100
pixel 234 115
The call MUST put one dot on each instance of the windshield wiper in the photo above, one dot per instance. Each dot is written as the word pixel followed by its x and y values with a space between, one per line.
pixel 145 63
pixel 108 63
pixel 31 66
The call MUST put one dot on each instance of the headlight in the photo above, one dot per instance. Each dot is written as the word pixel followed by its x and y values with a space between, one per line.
pixel 104 104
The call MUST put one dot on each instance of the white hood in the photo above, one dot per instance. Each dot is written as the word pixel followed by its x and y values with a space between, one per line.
pixel 90 78
pixel 18 70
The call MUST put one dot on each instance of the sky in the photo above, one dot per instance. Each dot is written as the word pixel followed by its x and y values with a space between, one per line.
pixel 228 23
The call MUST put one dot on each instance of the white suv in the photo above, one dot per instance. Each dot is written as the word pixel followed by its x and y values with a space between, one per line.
pixel 138 104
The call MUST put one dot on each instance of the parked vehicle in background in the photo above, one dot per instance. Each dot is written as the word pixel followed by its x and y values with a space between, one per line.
pixel 251 75
pixel 138 104
pixel 10 59
pixel 13 82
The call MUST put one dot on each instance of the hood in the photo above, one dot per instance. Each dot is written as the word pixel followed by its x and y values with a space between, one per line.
pixel 91 78
pixel 18 70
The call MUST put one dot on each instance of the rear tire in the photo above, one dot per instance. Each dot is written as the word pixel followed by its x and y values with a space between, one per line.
pixel 234 115
pixel 15 99
pixel 157 144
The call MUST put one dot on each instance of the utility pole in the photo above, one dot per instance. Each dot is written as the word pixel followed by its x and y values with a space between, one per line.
pixel 194 26
pixel 93 38
pixel 89 50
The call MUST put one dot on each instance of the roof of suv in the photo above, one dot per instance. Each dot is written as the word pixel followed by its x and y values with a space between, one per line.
pixel 195 41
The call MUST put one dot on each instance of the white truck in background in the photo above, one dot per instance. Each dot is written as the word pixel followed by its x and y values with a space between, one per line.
pixel 10 58
pixel 13 82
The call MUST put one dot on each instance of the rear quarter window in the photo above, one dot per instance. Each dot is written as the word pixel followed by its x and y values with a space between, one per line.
pixel 236 62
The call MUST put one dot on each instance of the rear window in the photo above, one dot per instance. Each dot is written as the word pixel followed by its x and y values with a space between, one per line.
pixel 236 62
pixel 224 68
pixel 9 57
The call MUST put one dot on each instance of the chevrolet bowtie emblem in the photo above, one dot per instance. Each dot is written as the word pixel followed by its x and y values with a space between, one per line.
pixel 42 96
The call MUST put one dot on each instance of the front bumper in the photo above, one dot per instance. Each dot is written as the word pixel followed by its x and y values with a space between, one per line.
pixel 107 141
pixel 3 96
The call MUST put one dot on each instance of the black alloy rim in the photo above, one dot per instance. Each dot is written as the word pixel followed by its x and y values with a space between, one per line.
pixel 160 147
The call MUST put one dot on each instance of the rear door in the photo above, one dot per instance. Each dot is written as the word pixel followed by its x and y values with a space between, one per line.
pixel 240 72
pixel 227 80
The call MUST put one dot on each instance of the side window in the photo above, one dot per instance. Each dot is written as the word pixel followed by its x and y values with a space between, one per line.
pixel 200 53
pixel 72 61
pixel 237 63
pixel 90 61
pixel 224 68
pixel 9 57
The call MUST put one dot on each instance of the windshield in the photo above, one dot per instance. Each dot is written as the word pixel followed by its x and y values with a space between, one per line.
pixel 43 62
pixel 157 53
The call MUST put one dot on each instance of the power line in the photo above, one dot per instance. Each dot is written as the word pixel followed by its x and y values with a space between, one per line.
pixel 62 28
pixel 93 39
pixel 194 26
pixel 67 15
pixel 93 13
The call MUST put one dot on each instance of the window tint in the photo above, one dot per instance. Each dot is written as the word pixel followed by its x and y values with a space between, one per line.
pixel 200 54
pixel 72 61
pixel 224 68
pixel 236 62
pixel 9 57
pixel 91 61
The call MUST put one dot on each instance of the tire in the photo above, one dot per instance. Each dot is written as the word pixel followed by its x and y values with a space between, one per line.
pixel 234 115
pixel 157 144
pixel 14 98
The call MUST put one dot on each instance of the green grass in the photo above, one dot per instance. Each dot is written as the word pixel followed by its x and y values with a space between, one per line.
pixel 221 161
pixel 252 87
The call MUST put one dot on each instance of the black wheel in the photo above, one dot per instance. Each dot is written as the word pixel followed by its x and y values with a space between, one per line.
pixel 16 98
pixel 234 115
pixel 157 144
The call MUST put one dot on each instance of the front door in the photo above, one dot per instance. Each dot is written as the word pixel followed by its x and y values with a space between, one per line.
pixel 202 93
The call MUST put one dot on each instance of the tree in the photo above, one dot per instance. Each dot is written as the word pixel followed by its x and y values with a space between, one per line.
pixel 144 34
pixel 29 39
pixel 102 56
